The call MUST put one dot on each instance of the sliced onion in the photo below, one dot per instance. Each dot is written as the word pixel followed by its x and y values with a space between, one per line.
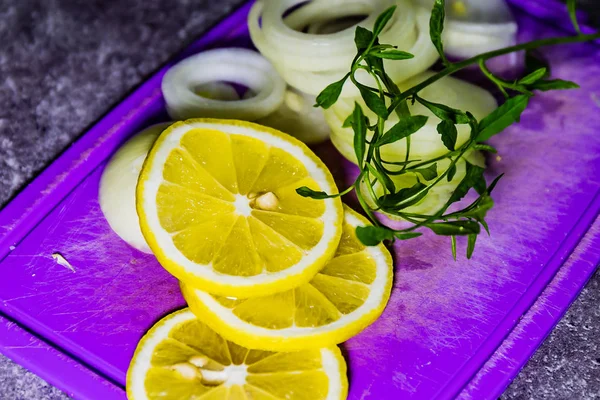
pixel 298 117
pixel 475 26
pixel 218 91
pixel 117 187
pixel 426 143
pixel 310 62
pixel 181 85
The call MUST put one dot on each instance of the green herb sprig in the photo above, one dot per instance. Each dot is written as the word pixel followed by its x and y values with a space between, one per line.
pixel 385 98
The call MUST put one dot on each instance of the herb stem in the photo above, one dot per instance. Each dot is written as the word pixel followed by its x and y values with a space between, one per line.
pixel 393 197
pixel 489 55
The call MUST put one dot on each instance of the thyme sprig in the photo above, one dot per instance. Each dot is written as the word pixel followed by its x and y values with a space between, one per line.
pixel 385 98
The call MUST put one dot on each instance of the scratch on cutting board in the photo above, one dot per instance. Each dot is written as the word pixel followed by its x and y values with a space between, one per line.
pixel 595 98
pixel 32 346
pixel 60 260
pixel 366 393
pixel 503 358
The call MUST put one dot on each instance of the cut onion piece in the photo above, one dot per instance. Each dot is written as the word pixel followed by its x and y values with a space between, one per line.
pixel 182 85
pixel 426 143
pixel 311 61
pixel 475 26
pixel 298 117
pixel 217 91
pixel 117 186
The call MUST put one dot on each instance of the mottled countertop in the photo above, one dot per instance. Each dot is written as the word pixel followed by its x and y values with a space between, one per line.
pixel 64 63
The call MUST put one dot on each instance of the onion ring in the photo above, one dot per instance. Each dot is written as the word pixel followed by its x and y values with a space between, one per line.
pixel 240 66
pixel 426 143
pixel 309 62
pixel 298 117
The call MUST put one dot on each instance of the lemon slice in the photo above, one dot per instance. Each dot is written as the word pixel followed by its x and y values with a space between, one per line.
pixel 181 358
pixel 218 207
pixel 340 301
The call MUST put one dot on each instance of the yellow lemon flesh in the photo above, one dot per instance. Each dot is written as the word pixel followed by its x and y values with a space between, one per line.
pixel 340 301
pixel 181 358
pixel 218 207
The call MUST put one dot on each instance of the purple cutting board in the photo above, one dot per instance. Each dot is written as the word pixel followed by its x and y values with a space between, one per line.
pixel 451 329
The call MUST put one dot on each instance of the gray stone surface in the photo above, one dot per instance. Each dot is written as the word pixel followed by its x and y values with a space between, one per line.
pixel 64 63
pixel 567 365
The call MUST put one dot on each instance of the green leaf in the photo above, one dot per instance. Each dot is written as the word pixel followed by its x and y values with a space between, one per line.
pixel 382 20
pixel 429 173
pixel 374 102
pixel 572 6
pixel 451 172
pixel 383 47
pixel 449 134
pixel 453 240
pixel 348 122
pixel 392 55
pixel 392 200
pixel 308 192
pixel 455 228
pixel 485 147
pixel 444 112
pixel 407 235
pixel 362 38
pixel 479 208
pixel 473 124
pixel 492 186
pixel 480 185
pixel 472 239
pixel 534 76
pixel 382 176
pixel 331 93
pixel 373 235
pixel 409 203
pixel 479 211
pixel 502 117
pixel 436 27
pixel 376 64
pixel 404 128
pixel 473 179
pixel 402 110
pixel 534 60
pixel 554 84
pixel 359 126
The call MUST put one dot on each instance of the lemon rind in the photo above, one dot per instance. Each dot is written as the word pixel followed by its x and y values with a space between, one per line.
pixel 202 275
pixel 238 331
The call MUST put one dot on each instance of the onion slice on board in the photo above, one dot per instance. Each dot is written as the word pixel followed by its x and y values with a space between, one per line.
pixel 426 143
pixel 310 61
pixel 183 85
pixel 117 186
pixel 298 117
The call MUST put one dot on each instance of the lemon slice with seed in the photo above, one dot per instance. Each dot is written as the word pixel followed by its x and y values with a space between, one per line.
pixel 218 207
pixel 182 358
pixel 340 301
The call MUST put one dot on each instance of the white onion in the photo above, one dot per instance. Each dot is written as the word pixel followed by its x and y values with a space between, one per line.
pixel 426 143
pixel 310 62
pixel 217 91
pixel 180 85
pixel 476 26
pixel 298 117
pixel 118 183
